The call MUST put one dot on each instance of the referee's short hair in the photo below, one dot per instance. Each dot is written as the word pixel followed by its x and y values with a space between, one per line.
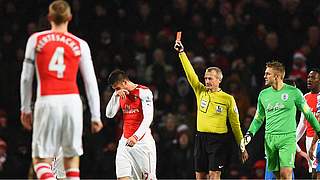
pixel 117 76
pixel 217 70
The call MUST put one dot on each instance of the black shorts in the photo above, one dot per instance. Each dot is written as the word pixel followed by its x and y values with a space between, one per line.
pixel 210 151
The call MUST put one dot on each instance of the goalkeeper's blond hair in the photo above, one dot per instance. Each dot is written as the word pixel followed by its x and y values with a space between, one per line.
pixel 277 66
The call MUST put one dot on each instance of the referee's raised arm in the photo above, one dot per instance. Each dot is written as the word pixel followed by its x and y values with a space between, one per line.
pixel 214 108
pixel 188 69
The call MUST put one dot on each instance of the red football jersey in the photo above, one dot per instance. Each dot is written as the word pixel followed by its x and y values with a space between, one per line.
pixel 132 111
pixel 57 60
pixel 312 102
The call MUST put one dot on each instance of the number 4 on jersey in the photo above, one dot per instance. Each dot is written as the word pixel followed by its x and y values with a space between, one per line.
pixel 57 62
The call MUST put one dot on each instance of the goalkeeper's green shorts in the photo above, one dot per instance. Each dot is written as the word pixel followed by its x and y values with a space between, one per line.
pixel 280 150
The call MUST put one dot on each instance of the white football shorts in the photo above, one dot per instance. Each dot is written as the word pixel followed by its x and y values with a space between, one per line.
pixel 57 123
pixel 139 161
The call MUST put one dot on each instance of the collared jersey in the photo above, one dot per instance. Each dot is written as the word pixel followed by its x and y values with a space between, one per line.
pixel 312 101
pixel 279 108
pixel 137 108
pixel 213 108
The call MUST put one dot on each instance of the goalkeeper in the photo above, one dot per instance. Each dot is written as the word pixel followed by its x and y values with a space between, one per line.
pixel 278 104
pixel 214 107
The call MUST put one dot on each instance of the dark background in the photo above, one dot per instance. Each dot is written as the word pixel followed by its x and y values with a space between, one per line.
pixel 238 36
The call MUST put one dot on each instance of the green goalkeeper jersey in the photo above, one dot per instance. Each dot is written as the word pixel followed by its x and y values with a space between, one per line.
pixel 279 108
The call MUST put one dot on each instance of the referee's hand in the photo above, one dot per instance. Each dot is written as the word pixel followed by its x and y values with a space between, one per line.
pixel 178 46
pixel 244 156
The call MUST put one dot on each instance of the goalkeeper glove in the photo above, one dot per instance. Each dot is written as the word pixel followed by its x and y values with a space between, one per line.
pixel 178 46
pixel 245 141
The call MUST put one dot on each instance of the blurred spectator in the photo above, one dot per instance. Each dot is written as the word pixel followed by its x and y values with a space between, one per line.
pixel 157 68
pixel 3 159
pixel 167 135
pixel 299 68
pixel 182 155
pixel 4 129
pixel 258 169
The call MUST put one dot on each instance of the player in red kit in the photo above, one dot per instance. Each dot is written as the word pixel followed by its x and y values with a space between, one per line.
pixel 56 55
pixel 136 153
pixel 313 84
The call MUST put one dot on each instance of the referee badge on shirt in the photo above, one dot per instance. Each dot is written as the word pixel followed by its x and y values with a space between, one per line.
pixel 204 103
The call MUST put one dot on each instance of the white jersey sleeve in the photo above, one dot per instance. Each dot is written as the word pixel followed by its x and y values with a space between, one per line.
pixel 147 109
pixel 90 81
pixel 27 75
pixel 113 106
pixel 298 148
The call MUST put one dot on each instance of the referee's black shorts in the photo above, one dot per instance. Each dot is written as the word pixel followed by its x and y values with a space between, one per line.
pixel 210 151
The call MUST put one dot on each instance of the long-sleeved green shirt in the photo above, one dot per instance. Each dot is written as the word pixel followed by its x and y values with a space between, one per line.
pixel 279 108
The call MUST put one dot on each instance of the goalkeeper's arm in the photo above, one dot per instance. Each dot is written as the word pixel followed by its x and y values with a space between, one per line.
pixel 255 125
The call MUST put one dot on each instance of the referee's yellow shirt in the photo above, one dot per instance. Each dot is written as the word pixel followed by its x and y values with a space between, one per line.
pixel 214 108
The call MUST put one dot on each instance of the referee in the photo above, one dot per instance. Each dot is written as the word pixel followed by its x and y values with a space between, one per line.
pixel 214 107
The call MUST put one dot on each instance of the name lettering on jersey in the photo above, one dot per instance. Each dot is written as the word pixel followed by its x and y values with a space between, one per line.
pixel 127 110
pixel 59 38
pixel 275 107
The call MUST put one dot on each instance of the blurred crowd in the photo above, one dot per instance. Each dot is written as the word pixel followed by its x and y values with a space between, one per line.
pixel 238 36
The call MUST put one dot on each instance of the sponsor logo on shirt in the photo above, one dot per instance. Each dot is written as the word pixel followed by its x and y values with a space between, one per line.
pixel 127 110
pixel 277 106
